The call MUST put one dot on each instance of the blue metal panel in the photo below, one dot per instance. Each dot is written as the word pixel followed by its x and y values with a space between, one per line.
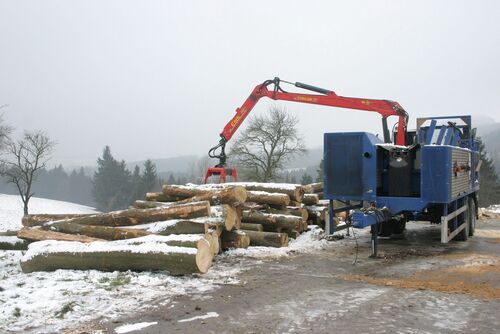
pixel 441 135
pixel 456 137
pixel 436 171
pixel 448 137
pixel 362 219
pixel 350 166
pixel 430 132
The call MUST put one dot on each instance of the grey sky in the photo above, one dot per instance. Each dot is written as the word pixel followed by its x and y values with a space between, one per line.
pixel 161 78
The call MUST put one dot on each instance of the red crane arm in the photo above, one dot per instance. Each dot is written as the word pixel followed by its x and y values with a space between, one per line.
pixel 326 97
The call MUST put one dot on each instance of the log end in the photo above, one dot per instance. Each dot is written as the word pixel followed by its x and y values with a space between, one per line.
pixel 204 256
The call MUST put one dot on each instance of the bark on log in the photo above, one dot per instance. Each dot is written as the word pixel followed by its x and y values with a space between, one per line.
pixel 264 197
pixel 316 187
pixel 8 233
pixel 100 232
pixel 234 239
pixel 160 197
pixel 252 227
pixel 272 222
pixel 232 195
pixel 252 206
pixel 11 242
pixel 176 226
pixel 294 191
pixel 37 234
pixel 111 256
pixel 310 199
pixel 290 210
pixel 149 204
pixel 267 239
pixel 228 214
pixel 131 217
pixel 40 219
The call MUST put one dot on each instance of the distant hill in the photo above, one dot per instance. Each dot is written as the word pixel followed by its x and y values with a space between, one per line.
pixel 176 165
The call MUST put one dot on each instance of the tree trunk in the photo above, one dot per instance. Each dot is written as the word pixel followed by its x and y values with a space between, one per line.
pixel 316 187
pixel 231 195
pixel 228 214
pixel 294 191
pixel 252 227
pixel 263 197
pixel 131 217
pixel 310 199
pixel 149 204
pixel 40 219
pixel 160 197
pixel 234 239
pixel 139 255
pixel 272 222
pixel 100 232
pixel 37 234
pixel 267 239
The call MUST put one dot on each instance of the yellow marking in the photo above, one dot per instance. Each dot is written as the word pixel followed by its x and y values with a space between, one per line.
pixel 237 118
pixel 305 99
pixel 366 102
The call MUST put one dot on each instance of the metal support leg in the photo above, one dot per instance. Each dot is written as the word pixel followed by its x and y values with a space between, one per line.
pixel 374 229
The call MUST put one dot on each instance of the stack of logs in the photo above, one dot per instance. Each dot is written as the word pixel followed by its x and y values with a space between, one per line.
pixel 179 229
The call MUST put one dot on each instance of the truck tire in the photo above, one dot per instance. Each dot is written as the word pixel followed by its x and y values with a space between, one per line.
pixel 464 234
pixel 472 217
pixel 399 227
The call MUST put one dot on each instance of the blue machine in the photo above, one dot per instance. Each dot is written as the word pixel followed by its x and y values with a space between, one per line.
pixel 435 178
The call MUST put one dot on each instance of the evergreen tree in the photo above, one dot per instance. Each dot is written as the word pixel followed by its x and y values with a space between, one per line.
pixel 111 185
pixel 137 185
pixel 306 179
pixel 171 179
pixel 320 171
pixel 489 183
pixel 149 176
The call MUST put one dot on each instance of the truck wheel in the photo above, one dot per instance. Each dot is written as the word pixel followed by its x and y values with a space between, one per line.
pixel 464 234
pixel 472 217
pixel 399 227
pixel 385 229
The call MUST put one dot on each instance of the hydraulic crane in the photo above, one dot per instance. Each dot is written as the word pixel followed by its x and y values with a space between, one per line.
pixel 324 97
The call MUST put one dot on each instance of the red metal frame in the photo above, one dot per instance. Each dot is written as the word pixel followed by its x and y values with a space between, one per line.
pixel 222 172
pixel 384 107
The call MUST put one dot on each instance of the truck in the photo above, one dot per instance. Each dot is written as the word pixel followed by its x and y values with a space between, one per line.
pixel 429 174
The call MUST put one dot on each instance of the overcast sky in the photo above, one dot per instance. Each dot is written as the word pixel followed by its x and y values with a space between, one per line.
pixel 155 79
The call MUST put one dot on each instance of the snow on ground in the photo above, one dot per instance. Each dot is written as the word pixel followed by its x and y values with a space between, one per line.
pixel 494 208
pixel 45 302
pixel 11 209
pixel 133 327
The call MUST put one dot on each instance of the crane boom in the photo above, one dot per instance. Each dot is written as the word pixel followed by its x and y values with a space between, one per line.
pixel 324 97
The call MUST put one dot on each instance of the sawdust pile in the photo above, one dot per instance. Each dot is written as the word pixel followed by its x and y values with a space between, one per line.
pixel 477 276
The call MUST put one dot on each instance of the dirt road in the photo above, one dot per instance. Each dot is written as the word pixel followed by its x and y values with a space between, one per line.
pixel 417 285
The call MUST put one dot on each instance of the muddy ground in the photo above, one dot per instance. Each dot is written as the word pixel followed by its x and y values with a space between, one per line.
pixel 416 285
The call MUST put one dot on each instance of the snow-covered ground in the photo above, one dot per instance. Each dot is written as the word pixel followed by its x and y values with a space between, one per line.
pixel 11 209
pixel 46 302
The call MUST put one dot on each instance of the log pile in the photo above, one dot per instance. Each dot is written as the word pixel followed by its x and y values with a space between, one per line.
pixel 180 229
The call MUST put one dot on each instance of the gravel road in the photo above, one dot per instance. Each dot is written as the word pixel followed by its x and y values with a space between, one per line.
pixel 416 285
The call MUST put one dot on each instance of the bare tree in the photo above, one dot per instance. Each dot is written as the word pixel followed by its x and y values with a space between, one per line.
pixel 24 159
pixel 265 146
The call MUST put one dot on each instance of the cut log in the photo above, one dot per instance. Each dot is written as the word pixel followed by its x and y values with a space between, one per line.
pixel 234 239
pixel 231 195
pixel 11 242
pixel 150 253
pixel 295 204
pixel 160 197
pixel 8 233
pixel 37 234
pixel 131 217
pixel 228 214
pixel 149 204
pixel 267 239
pixel 264 197
pixel 252 227
pixel 272 222
pixel 100 232
pixel 294 191
pixel 310 199
pixel 177 226
pixel 316 187
pixel 290 210
pixel 40 219
pixel 253 206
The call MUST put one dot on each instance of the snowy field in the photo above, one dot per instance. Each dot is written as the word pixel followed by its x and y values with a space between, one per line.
pixel 48 302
